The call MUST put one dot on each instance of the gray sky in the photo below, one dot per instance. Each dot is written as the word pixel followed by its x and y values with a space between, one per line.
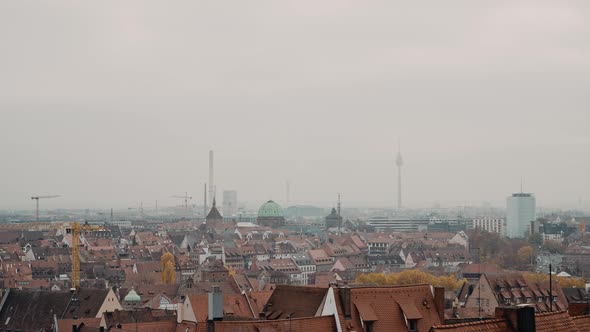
pixel 109 103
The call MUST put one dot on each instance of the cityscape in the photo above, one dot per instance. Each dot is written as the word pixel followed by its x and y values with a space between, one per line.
pixel 294 166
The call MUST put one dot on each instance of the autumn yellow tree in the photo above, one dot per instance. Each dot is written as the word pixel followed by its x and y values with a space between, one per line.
pixel 410 277
pixel 167 263
pixel 565 282
pixel 525 254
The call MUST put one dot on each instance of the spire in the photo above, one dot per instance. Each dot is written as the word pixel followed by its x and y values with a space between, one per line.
pixel 214 201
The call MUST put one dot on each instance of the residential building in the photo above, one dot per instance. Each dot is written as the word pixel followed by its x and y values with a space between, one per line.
pixel 490 224
pixel 305 265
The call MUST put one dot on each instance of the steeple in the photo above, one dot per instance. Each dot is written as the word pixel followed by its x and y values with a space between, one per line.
pixel 214 214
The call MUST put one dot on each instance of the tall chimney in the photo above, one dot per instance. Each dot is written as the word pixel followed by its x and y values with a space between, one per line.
pixel 211 179
pixel 344 293
pixel 439 302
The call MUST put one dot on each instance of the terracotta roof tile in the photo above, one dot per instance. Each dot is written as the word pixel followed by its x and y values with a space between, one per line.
pixel 582 322
pixel 418 301
pixel 555 322
pixel 310 324
pixel 491 325
pixel 367 313
pixel 296 301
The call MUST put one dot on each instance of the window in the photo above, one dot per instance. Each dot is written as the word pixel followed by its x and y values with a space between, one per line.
pixel 413 325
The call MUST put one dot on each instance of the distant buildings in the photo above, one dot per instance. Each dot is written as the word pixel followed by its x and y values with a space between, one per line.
pixel 213 216
pixel 381 224
pixel 230 203
pixel 270 214
pixel 490 224
pixel 333 219
pixel 519 213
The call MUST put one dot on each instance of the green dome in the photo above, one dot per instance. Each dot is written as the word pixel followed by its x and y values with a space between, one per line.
pixel 132 297
pixel 270 209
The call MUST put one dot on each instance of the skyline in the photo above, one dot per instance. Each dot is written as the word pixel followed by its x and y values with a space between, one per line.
pixel 111 104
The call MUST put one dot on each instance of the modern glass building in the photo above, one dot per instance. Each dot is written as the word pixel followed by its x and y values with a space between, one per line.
pixel 520 211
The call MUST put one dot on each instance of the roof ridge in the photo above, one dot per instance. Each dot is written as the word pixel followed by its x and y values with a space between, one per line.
pixel 549 313
pixel 485 321
pixel 580 316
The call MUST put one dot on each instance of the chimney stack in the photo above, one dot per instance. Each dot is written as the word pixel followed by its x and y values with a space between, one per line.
pixel 439 303
pixel 521 319
pixel 344 293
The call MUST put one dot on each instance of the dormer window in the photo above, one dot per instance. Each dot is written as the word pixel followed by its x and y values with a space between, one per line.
pixel 412 325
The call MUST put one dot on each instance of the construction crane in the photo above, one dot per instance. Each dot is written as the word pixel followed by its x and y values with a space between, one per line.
pixel 76 229
pixel 186 198
pixel 36 198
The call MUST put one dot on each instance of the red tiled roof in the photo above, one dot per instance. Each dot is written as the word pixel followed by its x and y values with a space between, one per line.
pixel 410 310
pixel 500 325
pixel 554 322
pixel 366 312
pixel 310 324
pixel 295 301
pixel 582 322
pixel 388 304
pixel 66 324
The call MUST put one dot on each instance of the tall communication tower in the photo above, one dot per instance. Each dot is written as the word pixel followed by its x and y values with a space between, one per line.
pixel 211 178
pixel 399 163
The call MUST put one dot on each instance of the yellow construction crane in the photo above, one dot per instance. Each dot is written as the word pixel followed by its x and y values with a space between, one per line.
pixel 76 228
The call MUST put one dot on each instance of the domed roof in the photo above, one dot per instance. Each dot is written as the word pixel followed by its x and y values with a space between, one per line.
pixel 132 297
pixel 270 209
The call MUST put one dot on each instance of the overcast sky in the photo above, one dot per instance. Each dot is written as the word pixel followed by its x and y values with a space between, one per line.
pixel 110 103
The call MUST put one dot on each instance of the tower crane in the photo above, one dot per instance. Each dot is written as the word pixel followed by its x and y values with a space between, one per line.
pixel 75 230
pixel 36 198
pixel 186 198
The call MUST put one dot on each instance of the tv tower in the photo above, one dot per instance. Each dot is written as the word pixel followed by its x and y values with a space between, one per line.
pixel 399 162
pixel 211 184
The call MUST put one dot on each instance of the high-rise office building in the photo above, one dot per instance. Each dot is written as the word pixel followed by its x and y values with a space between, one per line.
pixel 230 203
pixel 520 211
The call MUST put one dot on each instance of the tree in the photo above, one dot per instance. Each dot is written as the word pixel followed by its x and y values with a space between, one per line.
pixel 536 239
pixel 553 247
pixel 167 263
pixel 565 282
pixel 410 277
pixel 525 254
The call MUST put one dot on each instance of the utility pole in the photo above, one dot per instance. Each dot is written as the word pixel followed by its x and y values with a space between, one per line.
pixel 550 289
pixel 339 217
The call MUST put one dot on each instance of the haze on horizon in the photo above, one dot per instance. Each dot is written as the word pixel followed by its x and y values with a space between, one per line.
pixel 111 103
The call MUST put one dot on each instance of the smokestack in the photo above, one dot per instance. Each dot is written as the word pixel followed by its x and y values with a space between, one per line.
pixel 211 183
